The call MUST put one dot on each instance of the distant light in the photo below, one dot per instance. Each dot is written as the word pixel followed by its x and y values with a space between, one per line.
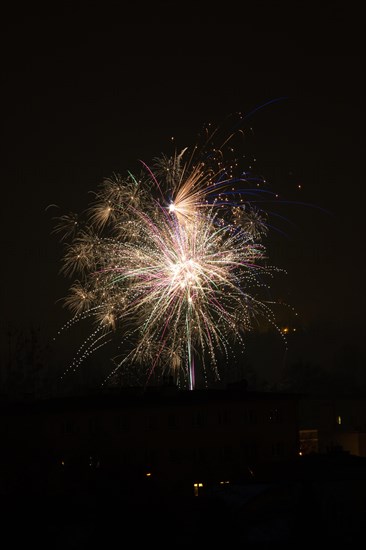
pixel 148 474
pixel 300 453
pixel 339 420
pixel 224 482
pixel 196 487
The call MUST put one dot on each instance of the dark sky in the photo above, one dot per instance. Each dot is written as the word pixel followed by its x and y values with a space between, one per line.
pixel 87 93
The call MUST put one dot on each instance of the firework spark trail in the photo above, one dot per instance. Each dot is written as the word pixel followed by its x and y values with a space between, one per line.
pixel 178 273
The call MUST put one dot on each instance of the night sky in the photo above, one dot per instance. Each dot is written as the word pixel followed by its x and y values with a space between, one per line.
pixel 87 94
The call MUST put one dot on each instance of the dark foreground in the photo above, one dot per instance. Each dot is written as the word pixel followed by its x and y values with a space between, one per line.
pixel 321 501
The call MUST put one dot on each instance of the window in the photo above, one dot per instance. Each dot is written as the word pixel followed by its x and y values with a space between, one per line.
pixel 121 422
pixel 197 419
pixel 252 417
pixel 201 456
pixel 128 457
pixel 172 421
pixel 150 457
pixel 181 456
pixel 226 453
pixel 277 449
pixel 197 487
pixel 275 416
pixel 151 422
pixel 68 427
pixel 224 417
pixel 249 450
pixel 94 425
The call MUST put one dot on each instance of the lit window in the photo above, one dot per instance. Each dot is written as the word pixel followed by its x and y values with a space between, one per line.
pixel 197 487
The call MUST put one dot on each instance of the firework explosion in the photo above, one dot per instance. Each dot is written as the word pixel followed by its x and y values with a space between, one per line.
pixel 172 263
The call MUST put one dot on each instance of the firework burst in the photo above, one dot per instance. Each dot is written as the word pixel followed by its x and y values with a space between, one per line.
pixel 172 263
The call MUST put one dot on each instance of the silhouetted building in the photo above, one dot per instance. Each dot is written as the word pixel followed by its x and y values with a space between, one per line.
pixel 330 423
pixel 172 436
